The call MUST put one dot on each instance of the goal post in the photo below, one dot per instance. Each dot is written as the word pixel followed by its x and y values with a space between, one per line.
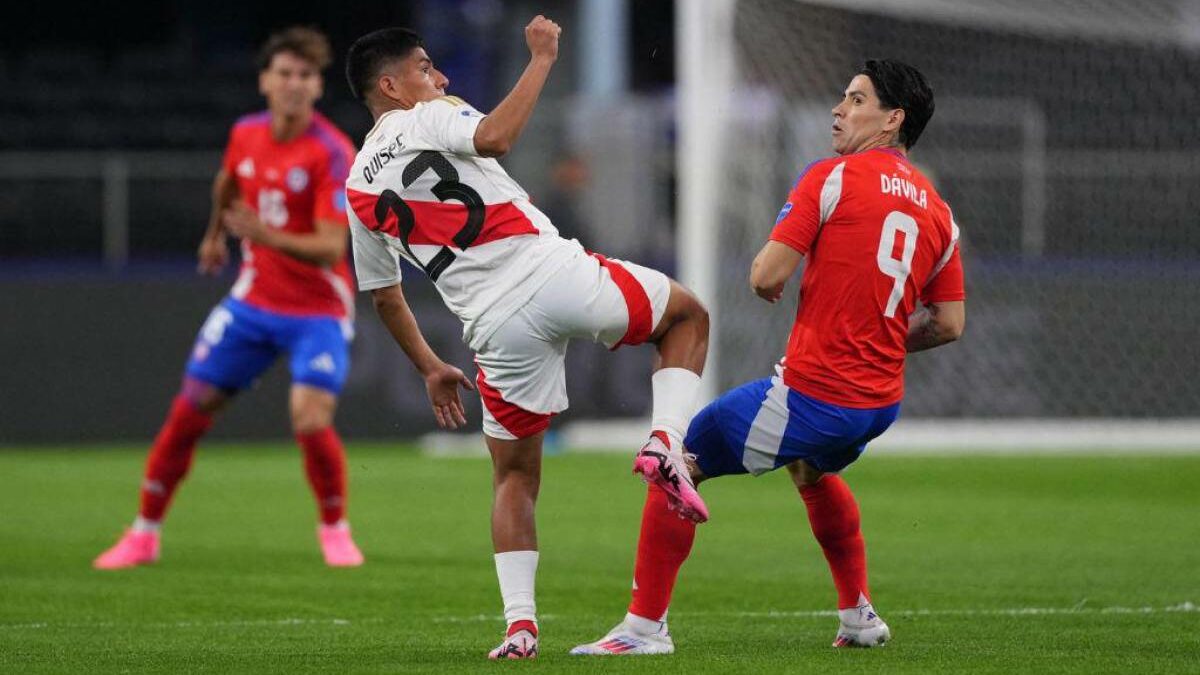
pixel 704 54
pixel 1065 141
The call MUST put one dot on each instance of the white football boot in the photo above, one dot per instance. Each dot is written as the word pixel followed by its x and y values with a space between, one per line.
pixel 632 637
pixel 861 627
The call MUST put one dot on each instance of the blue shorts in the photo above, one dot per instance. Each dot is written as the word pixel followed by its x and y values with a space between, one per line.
pixel 238 342
pixel 763 425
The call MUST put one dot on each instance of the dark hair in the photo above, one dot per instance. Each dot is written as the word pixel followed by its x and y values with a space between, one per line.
pixel 309 44
pixel 899 85
pixel 371 52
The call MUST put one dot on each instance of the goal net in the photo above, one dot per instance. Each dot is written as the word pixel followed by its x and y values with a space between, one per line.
pixel 1067 141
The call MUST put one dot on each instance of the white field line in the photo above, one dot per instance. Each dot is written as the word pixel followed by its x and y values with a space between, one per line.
pixel 1080 609
pixel 952 437
pixel 191 624
pixel 1181 608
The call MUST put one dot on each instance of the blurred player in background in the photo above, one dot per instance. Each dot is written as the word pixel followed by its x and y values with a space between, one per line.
pixel 877 237
pixel 425 187
pixel 281 190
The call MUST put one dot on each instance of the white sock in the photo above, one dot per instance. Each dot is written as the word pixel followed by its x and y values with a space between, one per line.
pixel 140 524
pixel 643 626
pixel 516 571
pixel 674 403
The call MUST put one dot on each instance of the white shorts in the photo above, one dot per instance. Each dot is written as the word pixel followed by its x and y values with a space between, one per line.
pixel 521 374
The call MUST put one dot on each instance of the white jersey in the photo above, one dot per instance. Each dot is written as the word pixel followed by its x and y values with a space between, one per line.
pixel 419 190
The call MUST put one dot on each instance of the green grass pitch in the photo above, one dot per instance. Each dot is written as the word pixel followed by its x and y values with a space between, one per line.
pixel 979 564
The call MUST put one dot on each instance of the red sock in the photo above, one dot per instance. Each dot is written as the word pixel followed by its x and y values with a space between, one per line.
pixel 665 542
pixel 833 514
pixel 325 464
pixel 171 456
pixel 523 624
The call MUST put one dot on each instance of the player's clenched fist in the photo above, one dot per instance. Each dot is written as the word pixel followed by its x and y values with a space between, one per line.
pixel 542 37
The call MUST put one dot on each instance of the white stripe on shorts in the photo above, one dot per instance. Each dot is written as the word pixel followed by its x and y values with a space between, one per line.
pixel 766 432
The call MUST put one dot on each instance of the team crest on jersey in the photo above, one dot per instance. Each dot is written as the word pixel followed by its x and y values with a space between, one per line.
pixel 245 168
pixel 297 179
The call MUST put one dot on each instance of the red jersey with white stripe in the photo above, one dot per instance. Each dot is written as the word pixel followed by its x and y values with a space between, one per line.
pixel 420 191
pixel 877 237
pixel 291 185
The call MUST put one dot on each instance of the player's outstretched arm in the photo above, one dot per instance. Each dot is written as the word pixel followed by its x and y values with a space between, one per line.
pixel 442 380
pixel 938 324
pixel 214 249
pixel 325 245
pixel 771 269
pixel 497 133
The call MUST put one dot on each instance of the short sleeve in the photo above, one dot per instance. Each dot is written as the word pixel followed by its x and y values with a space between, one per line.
pixel 810 204
pixel 329 199
pixel 448 124
pixel 375 264
pixel 945 283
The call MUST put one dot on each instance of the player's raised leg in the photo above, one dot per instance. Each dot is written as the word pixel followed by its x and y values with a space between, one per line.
pixel 170 458
pixel 635 305
pixel 312 410
pixel 681 338
pixel 517 474
pixel 834 518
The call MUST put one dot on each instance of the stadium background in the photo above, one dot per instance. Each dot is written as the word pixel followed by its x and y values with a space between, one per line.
pixel 1064 139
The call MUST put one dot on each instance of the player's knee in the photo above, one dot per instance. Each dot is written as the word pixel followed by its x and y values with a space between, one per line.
pixel 307 421
pixel 519 470
pixel 311 409
pixel 803 475
pixel 684 306
pixel 699 314
pixel 310 417
pixel 515 465
pixel 206 397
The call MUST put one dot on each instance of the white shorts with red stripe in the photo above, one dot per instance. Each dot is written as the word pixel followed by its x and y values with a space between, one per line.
pixel 522 379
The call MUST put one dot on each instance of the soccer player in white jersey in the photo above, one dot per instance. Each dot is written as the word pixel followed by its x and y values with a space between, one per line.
pixel 426 187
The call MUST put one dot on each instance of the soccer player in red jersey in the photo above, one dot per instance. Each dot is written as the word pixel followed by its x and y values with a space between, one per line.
pixel 877 238
pixel 426 187
pixel 280 189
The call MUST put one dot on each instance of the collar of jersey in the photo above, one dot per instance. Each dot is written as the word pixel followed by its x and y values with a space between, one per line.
pixel 890 151
pixel 379 122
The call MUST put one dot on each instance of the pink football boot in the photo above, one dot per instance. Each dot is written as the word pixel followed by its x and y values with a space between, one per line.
pixel 338 547
pixel 520 642
pixel 657 465
pixel 134 548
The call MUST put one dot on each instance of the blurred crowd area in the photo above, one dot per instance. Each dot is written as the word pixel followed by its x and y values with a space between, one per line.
pixel 1065 139
pixel 142 101
pixel 114 122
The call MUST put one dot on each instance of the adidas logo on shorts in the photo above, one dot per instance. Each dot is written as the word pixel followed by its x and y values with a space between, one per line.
pixel 323 363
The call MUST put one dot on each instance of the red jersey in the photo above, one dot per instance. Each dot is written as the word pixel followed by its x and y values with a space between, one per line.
pixel 877 236
pixel 291 185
